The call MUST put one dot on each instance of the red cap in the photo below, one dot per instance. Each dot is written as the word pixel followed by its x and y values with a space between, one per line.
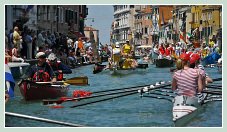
pixel 194 58
pixel 189 53
pixel 185 57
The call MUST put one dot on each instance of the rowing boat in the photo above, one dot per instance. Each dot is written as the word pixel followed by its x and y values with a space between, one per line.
pixel 185 108
pixel 35 91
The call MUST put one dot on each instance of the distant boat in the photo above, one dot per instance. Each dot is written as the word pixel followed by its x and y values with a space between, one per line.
pixel 164 63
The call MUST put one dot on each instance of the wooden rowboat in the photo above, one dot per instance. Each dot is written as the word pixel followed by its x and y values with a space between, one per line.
pixel 35 91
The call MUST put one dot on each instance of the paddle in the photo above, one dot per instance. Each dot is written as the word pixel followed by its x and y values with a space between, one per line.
pixel 123 90
pixel 78 81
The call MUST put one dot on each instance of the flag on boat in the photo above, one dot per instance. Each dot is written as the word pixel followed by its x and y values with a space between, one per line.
pixel 9 80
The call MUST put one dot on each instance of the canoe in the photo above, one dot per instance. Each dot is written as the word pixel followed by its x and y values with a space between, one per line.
pixel 34 91
pixel 185 108
pixel 164 63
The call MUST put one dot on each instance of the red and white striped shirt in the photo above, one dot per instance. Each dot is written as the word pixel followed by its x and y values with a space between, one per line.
pixel 187 81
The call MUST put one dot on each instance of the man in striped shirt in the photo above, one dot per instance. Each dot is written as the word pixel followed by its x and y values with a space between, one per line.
pixel 187 81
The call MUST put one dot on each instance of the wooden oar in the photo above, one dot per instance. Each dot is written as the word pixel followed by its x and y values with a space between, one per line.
pixel 79 81
pixel 110 92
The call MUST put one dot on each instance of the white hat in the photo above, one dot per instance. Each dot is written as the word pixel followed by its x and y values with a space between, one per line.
pixel 117 45
pixel 40 55
pixel 52 57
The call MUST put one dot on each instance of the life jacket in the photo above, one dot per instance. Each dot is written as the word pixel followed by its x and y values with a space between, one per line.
pixel 41 76
pixel 60 74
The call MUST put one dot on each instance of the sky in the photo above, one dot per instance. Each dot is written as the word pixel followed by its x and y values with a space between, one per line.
pixel 103 18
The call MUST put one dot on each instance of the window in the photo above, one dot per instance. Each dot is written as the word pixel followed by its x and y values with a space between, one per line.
pixel 38 12
pixel 48 12
pixel 61 15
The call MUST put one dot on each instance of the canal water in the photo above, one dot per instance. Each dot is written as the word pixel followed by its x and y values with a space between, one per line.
pixel 128 111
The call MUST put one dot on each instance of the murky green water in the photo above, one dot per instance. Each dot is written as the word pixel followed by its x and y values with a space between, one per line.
pixel 128 111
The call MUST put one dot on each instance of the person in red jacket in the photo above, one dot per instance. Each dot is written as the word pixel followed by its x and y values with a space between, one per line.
pixel 58 67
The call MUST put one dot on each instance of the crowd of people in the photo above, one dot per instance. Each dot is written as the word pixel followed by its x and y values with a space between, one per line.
pixel 171 50
pixel 24 45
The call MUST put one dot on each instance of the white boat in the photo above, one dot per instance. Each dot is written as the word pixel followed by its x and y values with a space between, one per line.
pixel 185 108
pixel 18 69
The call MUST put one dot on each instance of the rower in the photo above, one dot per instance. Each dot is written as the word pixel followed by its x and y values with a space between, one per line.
pixel 58 67
pixel 41 72
pixel 187 81
pixel 116 54
pixel 126 49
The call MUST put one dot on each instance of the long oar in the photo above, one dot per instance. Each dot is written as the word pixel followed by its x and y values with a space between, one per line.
pixel 42 119
pixel 157 97
pixel 45 102
pixel 217 79
pixel 137 87
pixel 214 87
pixel 78 81
pixel 212 92
pixel 122 95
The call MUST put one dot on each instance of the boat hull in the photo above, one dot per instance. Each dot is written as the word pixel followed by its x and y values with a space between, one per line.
pixel 164 63
pixel 185 109
pixel 33 91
